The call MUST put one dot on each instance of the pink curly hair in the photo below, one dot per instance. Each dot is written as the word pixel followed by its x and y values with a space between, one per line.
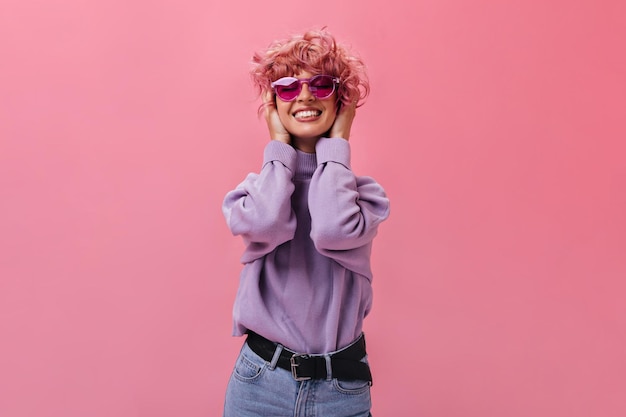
pixel 317 52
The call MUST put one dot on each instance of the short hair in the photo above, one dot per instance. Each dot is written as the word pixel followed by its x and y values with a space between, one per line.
pixel 317 52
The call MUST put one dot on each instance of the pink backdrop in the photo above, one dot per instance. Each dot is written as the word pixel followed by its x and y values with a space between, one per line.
pixel 496 127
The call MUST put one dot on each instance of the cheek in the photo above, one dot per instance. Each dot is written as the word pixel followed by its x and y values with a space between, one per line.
pixel 331 114
pixel 331 109
pixel 331 120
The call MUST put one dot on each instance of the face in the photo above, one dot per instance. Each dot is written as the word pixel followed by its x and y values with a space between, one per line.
pixel 307 118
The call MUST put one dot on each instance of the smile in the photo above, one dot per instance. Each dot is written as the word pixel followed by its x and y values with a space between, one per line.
pixel 306 114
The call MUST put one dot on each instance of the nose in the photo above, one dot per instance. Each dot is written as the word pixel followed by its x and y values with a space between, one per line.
pixel 305 93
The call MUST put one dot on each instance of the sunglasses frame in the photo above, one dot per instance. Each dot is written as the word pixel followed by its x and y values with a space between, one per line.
pixel 286 81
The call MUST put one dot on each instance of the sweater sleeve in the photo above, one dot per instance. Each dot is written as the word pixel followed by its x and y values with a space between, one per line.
pixel 345 210
pixel 259 209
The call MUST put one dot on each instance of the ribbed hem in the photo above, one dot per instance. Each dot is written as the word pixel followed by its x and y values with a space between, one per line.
pixel 281 152
pixel 333 150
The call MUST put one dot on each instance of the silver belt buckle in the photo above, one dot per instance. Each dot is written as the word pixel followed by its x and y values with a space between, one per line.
pixel 294 367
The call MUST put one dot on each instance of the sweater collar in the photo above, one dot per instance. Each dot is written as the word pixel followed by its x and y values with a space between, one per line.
pixel 305 164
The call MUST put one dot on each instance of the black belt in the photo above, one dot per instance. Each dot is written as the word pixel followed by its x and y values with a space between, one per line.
pixel 345 364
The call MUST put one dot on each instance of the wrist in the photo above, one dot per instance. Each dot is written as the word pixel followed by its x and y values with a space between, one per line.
pixel 281 138
pixel 340 135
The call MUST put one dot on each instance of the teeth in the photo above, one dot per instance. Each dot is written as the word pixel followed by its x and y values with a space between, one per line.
pixel 307 113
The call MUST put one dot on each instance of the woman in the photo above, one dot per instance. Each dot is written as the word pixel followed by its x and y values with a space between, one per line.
pixel 308 224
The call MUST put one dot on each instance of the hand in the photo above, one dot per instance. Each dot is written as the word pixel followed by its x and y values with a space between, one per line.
pixel 343 122
pixel 275 126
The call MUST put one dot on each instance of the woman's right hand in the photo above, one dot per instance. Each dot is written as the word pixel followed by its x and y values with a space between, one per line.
pixel 275 126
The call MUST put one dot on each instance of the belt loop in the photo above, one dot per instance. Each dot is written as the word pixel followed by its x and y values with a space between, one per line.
pixel 277 352
pixel 329 368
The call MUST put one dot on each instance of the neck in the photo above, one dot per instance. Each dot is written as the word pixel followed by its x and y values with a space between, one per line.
pixel 305 144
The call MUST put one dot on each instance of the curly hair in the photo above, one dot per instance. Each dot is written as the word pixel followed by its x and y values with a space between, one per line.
pixel 317 52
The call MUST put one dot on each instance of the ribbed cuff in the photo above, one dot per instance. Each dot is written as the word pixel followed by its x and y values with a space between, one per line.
pixel 281 152
pixel 333 150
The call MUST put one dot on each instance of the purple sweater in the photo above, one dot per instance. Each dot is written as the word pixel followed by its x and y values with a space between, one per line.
pixel 308 223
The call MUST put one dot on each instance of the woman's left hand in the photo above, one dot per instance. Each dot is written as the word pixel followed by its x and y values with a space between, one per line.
pixel 275 126
pixel 343 122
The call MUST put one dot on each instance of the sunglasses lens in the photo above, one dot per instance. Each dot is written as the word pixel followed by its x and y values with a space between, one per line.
pixel 288 92
pixel 288 88
pixel 322 86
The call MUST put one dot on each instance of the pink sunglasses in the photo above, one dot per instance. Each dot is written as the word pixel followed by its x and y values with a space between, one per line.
pixel 321 86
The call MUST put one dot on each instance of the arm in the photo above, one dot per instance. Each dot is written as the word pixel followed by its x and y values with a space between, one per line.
pixel 259 209
pixel 345 210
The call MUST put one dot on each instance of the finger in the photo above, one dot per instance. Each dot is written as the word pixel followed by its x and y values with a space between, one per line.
pixel 352 106
pixel 268 103
pixel 347 111
pixel 267 96
pixel 347 108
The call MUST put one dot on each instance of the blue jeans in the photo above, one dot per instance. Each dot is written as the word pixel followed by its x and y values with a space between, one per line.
pixel 258 388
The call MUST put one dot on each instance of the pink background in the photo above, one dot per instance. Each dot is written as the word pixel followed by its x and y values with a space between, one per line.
pixel 496 127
